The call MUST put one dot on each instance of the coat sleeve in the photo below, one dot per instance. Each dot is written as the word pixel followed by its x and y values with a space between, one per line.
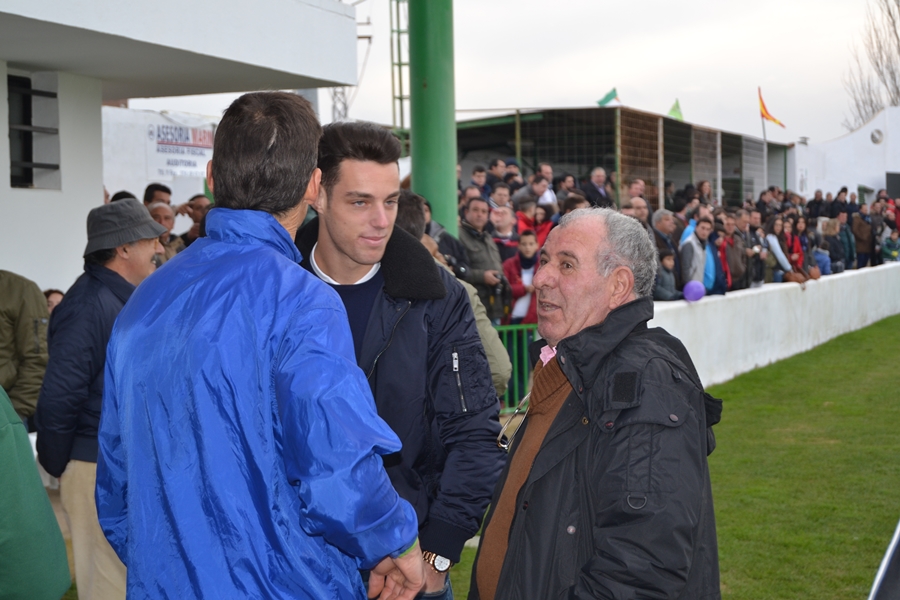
pixel 498 357
pixel 514 277
pixel 775 248
pixel 467 414
pixel 31 350
pixel 77 354
pixel 687 262
pixel 652 486
pixel 110 492
pixel 334 440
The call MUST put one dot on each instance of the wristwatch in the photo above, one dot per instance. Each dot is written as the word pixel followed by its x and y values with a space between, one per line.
pixel 437 562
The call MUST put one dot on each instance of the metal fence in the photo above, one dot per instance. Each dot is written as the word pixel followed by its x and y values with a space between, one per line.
pixel 626 142
pixel 516 338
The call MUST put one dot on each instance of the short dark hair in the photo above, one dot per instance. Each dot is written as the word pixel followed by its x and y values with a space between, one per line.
pixel 496 161
pixel 471 187
pixel 150 191
pixel 122 196
pixel 478 199
pixel 665 252
pixel 499 186
pixel 264 152
pixel 411 214
pixel 526 202
pixel 528 232
pixel 706 220
pixel 358 140
pixel 571 203
pixel 538 178
pixel 53 291
pixel 100 257
pixel 479 169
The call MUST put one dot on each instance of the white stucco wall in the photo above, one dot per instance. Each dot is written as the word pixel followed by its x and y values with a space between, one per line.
pixel 733 334
pixel 851 160
pixel 43 232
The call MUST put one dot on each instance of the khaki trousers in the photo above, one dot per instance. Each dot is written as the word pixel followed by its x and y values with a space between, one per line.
pixel 99 574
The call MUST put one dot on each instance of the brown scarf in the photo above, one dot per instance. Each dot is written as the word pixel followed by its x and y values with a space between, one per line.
pixel 547 396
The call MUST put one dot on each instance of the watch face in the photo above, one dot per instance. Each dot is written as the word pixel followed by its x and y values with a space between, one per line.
pixel 441 564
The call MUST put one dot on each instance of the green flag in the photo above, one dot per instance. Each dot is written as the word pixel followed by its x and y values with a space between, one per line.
pixel 610 99
pixel 675 111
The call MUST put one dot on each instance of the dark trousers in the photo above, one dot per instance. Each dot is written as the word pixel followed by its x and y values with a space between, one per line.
pixel 862 259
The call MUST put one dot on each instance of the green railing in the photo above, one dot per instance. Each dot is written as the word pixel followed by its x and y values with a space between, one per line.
pixel 516 338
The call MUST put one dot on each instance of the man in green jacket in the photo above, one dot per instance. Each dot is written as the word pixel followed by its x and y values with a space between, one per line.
pixel 23 342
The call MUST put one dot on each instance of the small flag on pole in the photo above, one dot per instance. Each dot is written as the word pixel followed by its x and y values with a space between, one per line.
pixel 764 112
pixel 610 99
pixel 675 111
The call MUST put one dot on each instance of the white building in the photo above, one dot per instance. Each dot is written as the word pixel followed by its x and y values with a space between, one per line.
pixel 865 160
pixel 62 60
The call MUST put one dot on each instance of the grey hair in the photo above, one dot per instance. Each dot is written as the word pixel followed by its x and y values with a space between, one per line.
pixel 158 204
pixel 626 245
pixel 660 215
pixel 597 169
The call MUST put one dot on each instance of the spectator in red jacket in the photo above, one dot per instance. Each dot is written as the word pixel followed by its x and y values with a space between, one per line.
pixel 519 271
pixel 792 243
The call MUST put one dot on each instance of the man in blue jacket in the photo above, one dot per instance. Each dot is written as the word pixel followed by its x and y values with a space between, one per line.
pixel 415 338
pixel 122 242
pixel 240 450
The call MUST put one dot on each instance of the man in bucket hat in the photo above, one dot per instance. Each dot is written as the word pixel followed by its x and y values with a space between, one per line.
pixel 122 241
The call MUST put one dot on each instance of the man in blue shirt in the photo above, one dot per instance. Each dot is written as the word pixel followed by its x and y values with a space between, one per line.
pixel 240 450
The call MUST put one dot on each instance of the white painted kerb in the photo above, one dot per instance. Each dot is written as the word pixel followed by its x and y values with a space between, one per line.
pixel 733 334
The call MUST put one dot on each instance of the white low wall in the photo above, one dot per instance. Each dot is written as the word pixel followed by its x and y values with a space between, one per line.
pixel 732 334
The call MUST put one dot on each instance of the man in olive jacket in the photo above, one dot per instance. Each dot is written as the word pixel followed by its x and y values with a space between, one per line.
pixel 23 341
pixel 606 493
pixel 485 267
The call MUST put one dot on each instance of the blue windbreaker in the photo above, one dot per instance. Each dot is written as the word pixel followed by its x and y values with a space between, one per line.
pixel 239 442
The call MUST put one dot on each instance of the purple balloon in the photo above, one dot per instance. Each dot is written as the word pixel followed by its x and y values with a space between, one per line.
pixel 693 291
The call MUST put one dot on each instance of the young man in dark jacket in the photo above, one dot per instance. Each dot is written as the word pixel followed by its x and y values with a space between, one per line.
pixel 606 493
pixel 122 242
pixel 415 339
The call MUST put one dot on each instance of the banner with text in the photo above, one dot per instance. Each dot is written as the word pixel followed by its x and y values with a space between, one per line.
pixel 178 150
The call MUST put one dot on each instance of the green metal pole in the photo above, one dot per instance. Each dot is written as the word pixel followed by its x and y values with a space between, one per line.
pixel 519 138
pixel 432 107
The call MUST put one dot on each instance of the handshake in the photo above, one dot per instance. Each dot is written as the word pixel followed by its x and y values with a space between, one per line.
pixel 398 578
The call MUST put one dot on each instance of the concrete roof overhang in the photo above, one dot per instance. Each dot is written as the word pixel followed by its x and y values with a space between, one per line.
pixel 171 48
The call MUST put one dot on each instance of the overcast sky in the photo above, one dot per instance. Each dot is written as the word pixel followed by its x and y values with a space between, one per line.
pixel 710 54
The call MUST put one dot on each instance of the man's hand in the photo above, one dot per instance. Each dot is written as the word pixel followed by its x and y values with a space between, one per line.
pixel 529 289
pixel 491 277
pixel 398 578
pixel 434 581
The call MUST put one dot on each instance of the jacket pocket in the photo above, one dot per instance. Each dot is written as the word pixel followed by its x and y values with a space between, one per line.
pixel 468 379
pixel 656 436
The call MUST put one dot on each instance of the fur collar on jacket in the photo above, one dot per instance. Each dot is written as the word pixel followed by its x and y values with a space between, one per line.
pixel 409 270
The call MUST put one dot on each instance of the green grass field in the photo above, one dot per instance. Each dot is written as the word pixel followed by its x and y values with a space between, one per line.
pixel 806 476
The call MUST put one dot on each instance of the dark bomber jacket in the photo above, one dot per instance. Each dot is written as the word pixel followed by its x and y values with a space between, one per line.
pixel 618 501
pixel 432 384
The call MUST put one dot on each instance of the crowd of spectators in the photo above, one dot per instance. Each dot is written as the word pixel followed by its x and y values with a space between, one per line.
pixel 781 237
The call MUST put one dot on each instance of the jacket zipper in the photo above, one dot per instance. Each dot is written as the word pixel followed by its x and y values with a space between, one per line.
pixel 390 339
pixel 462 396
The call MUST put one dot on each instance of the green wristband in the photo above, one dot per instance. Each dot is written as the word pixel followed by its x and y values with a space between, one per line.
pixel 410 549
